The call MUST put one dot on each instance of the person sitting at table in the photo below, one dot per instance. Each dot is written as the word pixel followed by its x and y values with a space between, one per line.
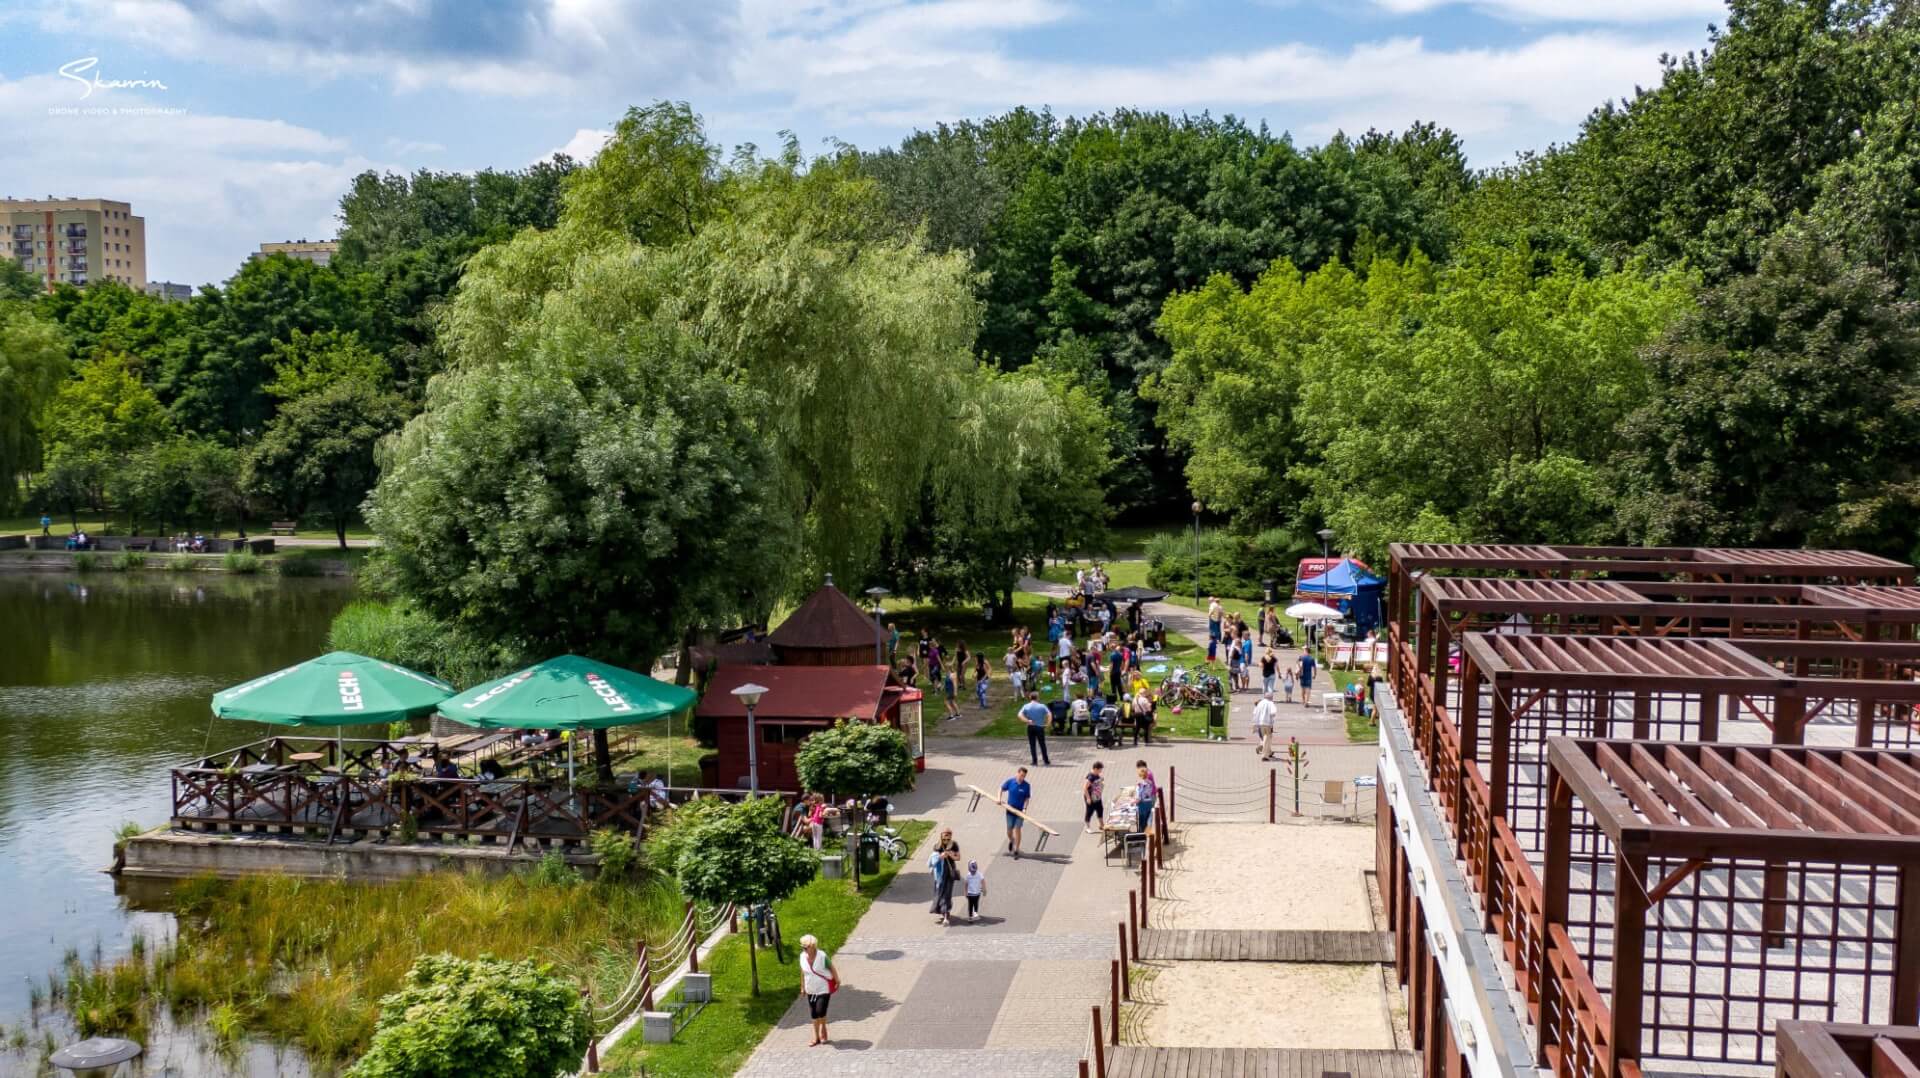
pixel 491 769
pixel 444 768
pixel 1080 716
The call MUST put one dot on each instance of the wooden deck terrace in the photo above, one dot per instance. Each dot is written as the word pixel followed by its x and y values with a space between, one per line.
pixel 1132 1061
pixel 344 791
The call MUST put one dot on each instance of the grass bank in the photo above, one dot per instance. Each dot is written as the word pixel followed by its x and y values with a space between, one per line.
pixel 722 1036
pixel 306 962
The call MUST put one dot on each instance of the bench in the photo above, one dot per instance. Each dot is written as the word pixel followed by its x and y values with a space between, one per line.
pixel 138 544
pixel 283 527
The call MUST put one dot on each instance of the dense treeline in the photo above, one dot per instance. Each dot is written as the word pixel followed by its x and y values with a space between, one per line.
pixel 932 362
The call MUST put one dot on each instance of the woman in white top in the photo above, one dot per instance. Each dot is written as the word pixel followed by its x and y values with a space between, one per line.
pixel 818 980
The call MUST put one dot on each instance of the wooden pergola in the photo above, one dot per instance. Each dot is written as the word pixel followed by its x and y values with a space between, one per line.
pixel 1840 1050
pixel 1693 895
pixel 1409 562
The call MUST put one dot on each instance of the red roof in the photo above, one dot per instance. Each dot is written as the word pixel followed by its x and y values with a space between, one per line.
pixel 828 619
pixel 798 692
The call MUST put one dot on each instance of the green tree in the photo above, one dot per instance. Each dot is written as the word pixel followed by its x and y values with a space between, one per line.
pixel 73 479
pixel 16 282
pixel 741 856
pixel 310 362
pixel 856 758
pixel 1784 411
pixel 595 501
pixel 858 340
pixel 106 410
pixel 217 385
pixel 479 1018
pixel 33 361
pixel 318 454
pixel 657 181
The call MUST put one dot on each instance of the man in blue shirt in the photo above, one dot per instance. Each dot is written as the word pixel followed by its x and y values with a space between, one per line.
pixel 1306 673
pixel 1015 793
pixel 1035 715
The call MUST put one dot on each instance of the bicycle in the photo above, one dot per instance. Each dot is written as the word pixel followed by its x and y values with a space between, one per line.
pixel 890 842
pixel 766 928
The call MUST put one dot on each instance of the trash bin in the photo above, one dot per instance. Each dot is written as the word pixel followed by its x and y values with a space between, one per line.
pixel 869 854
pixel 1217 718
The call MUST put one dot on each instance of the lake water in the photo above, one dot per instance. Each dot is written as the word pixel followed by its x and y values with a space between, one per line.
pixel 104 684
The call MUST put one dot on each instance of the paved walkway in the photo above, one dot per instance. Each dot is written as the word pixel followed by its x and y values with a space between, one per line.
pixel 1009 995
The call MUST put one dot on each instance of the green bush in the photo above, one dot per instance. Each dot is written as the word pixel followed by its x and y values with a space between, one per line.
pixel 856 758
pixel 286 565
pixel 1232 566
pixel 180 563
pixel 86 562
pixel 554 871
pixel 484 1018
pixel 243 562
pixel 619 858
pixel 129 560
pixel 398 633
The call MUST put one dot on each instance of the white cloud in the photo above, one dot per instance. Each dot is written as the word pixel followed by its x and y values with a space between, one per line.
pixel 406 147
pixel 583 146
pixel 211 187
pixel 504 48
pixel 1589 11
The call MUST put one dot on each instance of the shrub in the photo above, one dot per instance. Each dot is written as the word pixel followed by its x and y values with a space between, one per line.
pixel 856 758
pixel 485 1018
pixel 180 563
pixel 1230 565
pixel 86 562
pixel 244 562
pixel 398 633
pixel 554 871
pixel 619 858
pixel 129 560
pixel 287 565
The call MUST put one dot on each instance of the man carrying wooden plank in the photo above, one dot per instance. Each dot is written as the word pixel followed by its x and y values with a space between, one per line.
pixel 1015 793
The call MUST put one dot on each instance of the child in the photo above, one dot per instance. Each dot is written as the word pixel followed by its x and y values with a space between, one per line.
pixel 947 689
pixel 1286 683
pixel 980 687
pixel 976 889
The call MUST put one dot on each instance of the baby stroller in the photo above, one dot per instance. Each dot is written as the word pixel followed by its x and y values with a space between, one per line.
pixel 1106 728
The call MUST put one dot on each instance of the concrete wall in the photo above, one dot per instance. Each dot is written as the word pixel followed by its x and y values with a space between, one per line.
pixel 179 856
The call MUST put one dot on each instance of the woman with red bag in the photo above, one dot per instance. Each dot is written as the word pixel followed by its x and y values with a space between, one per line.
pixel 819 980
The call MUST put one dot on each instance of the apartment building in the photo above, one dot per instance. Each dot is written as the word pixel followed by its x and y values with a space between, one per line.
pixel 171 291
pixel 318 252
pixel 75 240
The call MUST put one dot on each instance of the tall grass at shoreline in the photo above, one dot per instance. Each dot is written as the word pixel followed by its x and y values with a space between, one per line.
pixel 307 961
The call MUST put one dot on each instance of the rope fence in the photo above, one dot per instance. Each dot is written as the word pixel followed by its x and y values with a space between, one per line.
pixel 652 966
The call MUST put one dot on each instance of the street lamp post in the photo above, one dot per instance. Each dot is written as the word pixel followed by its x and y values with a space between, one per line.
pixel 878 595
pixel 1196 553
pixel 749 695
pixel 1326 555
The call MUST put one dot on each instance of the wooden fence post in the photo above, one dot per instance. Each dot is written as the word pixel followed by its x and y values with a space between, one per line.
pixel 693 939
pixel 1173 785
pixel 1099 1045
pixel 1115 999
pixel 1273 796
pixel 1123 960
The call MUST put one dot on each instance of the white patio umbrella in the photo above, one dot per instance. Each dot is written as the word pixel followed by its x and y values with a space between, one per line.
pixel 1313 612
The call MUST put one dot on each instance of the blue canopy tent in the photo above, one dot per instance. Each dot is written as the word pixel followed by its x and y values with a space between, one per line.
pixel 1349 587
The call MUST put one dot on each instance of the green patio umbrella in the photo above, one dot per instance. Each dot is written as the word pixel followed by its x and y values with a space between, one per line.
pixel 336 689
pixel 567 693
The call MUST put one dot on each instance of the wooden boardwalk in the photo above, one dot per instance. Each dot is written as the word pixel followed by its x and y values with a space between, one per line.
pixel 1273 945
pixel 1129 1061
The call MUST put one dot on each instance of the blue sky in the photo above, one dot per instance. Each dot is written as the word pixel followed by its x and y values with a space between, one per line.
pixel 252 115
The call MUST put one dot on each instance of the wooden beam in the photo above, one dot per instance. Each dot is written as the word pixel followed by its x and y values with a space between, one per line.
pixel 1711 792
pixel 1816 815
pixel 1827 795
pixel 1674 879
pixel 1857 765
pixel 1750 795
pixel 1631 787
pixel 1864 794
pixel 1890 1062
pixel 1664 784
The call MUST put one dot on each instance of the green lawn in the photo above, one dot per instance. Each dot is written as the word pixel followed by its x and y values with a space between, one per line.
pixel 721 1037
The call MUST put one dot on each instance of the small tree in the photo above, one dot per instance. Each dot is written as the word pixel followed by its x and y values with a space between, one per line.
pixel 741 856
pixel 484 1018
pixel 1295 761
pixel 856 758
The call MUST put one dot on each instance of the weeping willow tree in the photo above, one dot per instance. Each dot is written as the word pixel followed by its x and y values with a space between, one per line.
pixel 797 284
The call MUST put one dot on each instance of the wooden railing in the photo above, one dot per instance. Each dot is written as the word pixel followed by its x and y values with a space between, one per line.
pixel 1575 1028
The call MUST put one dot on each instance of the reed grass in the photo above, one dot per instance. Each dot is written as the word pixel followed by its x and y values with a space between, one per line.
pixel 307 961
